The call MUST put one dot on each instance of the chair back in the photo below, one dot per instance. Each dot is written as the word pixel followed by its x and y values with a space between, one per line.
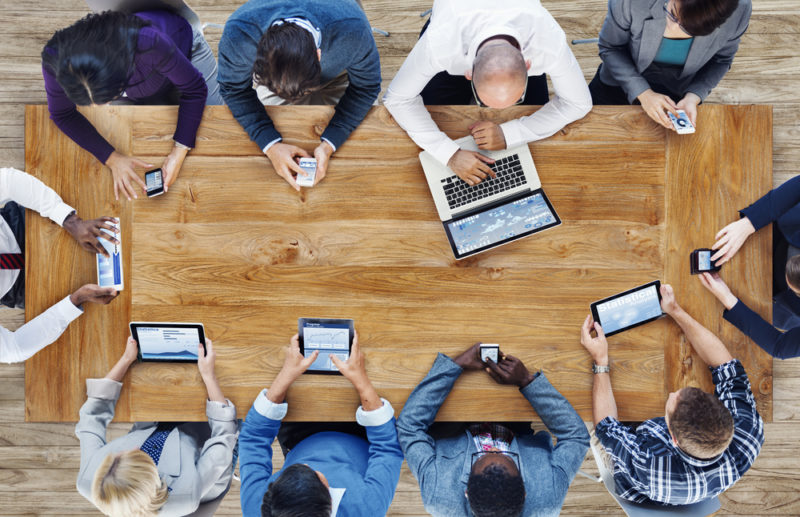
pixel 132 6
pixel 699 509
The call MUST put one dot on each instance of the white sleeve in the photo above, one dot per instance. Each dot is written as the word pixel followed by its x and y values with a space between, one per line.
pixel 29 192
pixel 42 330
pixel 404 102
pixel 572 101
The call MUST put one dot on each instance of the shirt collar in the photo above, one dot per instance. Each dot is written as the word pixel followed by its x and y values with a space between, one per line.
pixel 490 32
pixel 336 498
pixel 305 24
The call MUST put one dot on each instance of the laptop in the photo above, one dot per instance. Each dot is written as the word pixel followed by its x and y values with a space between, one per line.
pixel 497 210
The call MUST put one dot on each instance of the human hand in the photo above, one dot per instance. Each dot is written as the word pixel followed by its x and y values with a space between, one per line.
pixel 656 106
pixel 131 353
pixel 172 165
pixel 730 239
pixel 689 105
pixel 122 169
pixel 294 364
pixel 470 166
pixel 509 370
pixel 714 283
pixel 470 359
pixel 596 346
pixel 354 369
pixel 93 293
pixel 323 154
pixel 282 156
pixel 86 233
pixel 488 135
pixel 668 302
pixel 206 359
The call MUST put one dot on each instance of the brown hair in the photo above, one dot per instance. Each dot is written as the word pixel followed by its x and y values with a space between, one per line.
pixel 793 272
pixel 702 17
pixel 127 484
pixel 701 424
pixel 287 62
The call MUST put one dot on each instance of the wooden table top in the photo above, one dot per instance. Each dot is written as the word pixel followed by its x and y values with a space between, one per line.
pixel 232 246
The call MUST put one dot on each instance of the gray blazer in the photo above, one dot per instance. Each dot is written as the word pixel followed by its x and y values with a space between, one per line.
pixel 196 462
pixel 631 36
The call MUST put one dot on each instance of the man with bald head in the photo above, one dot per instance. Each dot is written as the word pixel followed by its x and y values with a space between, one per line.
pixel 485 469
pixel 496 55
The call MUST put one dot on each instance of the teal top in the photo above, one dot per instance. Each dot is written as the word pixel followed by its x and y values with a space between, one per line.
pixel 673 51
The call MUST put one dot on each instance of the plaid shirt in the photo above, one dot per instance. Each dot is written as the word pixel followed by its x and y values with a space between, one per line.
pixel 649 467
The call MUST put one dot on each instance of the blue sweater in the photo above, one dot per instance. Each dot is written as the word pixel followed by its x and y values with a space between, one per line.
pixel 781 205
pixel 347 44
pixel 368 471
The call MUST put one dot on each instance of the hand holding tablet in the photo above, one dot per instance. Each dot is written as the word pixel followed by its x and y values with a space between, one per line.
pixel 327 337
pixel 629 309
pixel 173 342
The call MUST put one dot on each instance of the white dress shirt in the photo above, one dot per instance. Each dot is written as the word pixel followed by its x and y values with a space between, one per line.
pixel 31 193
pixel 449 44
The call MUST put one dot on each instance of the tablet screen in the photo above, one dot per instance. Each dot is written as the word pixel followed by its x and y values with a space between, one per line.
pixel 503 223
pixel 629 309
pixel 168 343
pixel 329 339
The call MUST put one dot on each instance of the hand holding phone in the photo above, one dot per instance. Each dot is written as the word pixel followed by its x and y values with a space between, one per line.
pixel 681 123
pixel 309 166
pixel 154 182
pixel 700 261
pixel 490 351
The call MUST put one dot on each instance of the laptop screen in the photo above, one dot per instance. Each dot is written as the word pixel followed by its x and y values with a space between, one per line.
pixel 501 223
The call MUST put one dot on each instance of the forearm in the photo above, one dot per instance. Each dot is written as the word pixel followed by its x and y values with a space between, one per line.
pixel 370 400
pixel 603 403
pixel 280 386
pixel 213 389
pixel 118 371
pixel 708 346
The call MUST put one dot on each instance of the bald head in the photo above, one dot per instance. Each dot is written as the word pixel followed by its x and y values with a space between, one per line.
pixel 499 74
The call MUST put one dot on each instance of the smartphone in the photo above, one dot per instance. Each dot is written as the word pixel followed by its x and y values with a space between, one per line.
pixel 681 123
pixel 154 182
pixel 309 166
pixel 490 351
pixel 700 261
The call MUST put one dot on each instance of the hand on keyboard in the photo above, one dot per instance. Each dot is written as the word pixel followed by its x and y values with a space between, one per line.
pixel 470 166
pixel 488 135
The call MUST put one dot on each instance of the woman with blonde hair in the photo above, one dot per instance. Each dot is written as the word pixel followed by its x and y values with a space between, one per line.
pixel 157 468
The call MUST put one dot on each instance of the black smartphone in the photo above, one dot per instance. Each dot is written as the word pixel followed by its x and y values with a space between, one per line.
pixel 154 182
pixel 700 261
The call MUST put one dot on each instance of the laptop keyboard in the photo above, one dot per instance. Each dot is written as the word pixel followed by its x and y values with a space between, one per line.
pixel 509 175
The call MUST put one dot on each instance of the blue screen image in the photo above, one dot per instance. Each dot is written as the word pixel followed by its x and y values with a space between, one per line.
pixel 501 223
pixel 704 260
pixel 328 339
pixel 629 309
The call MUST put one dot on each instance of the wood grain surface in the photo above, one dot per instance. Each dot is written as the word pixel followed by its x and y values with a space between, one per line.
pixel 233 246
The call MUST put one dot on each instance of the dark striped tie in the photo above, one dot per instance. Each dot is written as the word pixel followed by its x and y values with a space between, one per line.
pixel 12 261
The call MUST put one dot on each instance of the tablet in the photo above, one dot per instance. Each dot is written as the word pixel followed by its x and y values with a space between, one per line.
pixel 629 309
pixel 168 341
pixel 329 337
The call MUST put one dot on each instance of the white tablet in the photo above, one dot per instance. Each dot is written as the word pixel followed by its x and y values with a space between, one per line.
pixel 168 341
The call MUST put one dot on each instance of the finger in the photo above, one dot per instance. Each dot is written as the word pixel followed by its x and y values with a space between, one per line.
pixel 480 172
pixel 141 182
pixel 308 361
pixel 140 163
pixel 495 368
pixel 484 158
pixel 586 329
pixel 295 342
pixel 599 329
pixel 98 248
pixel 704 281
pixel 104 235
pixel 107 219
pixel 200 354
pixel 116 191
pixel 662 115
pixel 337 362
pixel 209 346
pixel 290 180
pixel 493 375
pixel 299 151
pixel 128 189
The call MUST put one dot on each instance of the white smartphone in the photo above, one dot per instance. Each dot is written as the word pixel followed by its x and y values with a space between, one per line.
pixel 309 166
pixel 682 124
pixel 490 351
pixel 109 269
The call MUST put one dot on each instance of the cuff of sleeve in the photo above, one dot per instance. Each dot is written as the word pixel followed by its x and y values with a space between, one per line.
pixel 753 215
pixel 444 151
pixel 604 426
pixel 637 89
pixel 67 310
pixel 329 143
pixel 106 389
pixel 269 409
pixel 266 147
pixel 60 213
pixel 726 371
pixel 512 132
pixel 375 417
pixel 335 135
pixel 104 153
pixel 219 411
pixel 533 385
pixel 735 313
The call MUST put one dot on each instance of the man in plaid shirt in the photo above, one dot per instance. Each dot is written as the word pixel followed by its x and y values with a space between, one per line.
pixel 703 444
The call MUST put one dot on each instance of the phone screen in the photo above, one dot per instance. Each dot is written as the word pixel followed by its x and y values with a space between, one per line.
pixel 153 180
pixel 704 260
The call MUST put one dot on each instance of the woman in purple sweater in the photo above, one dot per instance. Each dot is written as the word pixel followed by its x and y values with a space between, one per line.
pixel 151 57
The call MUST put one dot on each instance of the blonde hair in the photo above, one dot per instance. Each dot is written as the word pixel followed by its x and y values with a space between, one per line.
pixel 127 484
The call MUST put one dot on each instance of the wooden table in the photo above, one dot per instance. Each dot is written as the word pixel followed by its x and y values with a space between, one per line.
pixel 232 246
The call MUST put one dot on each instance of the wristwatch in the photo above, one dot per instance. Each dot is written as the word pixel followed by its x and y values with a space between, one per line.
pixel 600 369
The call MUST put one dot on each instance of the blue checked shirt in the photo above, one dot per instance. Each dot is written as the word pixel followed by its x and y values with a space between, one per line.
pixel 648 466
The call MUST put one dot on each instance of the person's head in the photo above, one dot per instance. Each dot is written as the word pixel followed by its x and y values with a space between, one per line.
pixel 793 274
pixel 127 484
pixel 93 58
pixel 701 17
pixel 499 73
pixel 700 424
pixel 495 487
pixel 288 62
pixel 299 491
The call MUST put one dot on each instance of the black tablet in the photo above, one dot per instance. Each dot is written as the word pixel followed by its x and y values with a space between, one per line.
pixel 168 341
pixel 328 337
pixel 629 309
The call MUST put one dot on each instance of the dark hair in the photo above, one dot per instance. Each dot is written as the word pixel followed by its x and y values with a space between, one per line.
pixel 701 424
pixel 92 59
pixel 702 17
pixel 496 492
pixel 793 271
pixel 298 492
pixel 287 62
